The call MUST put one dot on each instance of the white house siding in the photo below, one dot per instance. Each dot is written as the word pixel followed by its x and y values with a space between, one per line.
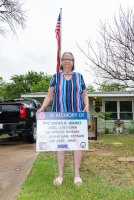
pixel 101 124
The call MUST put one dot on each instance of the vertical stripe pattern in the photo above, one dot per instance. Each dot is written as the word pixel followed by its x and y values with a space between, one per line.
pixel 68 93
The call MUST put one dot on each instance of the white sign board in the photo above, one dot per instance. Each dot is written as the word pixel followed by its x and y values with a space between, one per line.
pixel 57 131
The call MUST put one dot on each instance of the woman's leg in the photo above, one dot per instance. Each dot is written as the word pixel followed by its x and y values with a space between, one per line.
pixel 60 161
pixel 60 157
pixel 77 156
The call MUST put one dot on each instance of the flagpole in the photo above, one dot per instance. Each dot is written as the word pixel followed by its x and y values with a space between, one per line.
pixel 60 34
pixel 58 37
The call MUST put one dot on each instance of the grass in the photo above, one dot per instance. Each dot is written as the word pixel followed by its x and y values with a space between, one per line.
pixel 3 136
pixel 104 177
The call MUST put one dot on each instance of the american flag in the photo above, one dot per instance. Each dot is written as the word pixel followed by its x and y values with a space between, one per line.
pixel 57 31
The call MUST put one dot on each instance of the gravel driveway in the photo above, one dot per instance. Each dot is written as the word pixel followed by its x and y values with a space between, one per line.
pixel 16 159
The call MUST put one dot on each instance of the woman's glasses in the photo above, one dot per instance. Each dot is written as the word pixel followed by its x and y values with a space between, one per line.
pixel 67 59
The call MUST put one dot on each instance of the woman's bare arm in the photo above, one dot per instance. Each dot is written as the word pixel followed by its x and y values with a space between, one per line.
pixel 86 101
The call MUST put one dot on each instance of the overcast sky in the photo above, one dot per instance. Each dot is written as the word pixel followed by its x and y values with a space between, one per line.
pixel 36 46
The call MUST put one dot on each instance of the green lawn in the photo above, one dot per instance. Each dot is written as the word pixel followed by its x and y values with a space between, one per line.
pixel 104 177
pixel 4 136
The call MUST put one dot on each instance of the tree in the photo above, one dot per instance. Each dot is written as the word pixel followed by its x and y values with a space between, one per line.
pixel 114 57
pixel 90 88
pixel 2 84
pixel 11 14
pixel 107 86
pixel 27 83
pixel 42 85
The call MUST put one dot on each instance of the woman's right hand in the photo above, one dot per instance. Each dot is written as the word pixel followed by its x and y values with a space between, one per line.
pixel 40 110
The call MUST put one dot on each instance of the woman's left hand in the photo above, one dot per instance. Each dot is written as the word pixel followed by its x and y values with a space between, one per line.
pixel 86 109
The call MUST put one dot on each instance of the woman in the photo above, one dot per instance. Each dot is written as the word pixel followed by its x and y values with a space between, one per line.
pixel 68 92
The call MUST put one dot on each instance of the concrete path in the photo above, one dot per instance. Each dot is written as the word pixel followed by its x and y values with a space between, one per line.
pixel 16 160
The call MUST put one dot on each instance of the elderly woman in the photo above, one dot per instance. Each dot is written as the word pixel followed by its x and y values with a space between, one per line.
pixel 71 87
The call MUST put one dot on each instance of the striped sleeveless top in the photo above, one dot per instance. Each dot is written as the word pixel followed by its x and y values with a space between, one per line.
pixel 68 93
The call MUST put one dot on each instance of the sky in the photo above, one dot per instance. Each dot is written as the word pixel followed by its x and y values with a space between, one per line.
pixel 35 48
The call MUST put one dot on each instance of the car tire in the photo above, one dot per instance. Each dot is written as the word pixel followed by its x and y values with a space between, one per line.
pixel 19 134
pixel 31 137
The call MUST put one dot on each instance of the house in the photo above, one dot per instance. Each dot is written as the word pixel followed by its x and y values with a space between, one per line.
pixel 119 104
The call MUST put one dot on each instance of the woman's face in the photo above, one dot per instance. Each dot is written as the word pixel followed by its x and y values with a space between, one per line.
pixel 67 62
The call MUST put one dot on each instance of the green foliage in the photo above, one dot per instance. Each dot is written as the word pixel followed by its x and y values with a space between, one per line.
pixel 42 85
pixel 107 86
pixel 2 84
pixel 131 128
pixel 106 130
pixel 90 88
pixel 105 115
pixel 22 84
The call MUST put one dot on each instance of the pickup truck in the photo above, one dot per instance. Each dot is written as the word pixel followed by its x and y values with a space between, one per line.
pixel 18 116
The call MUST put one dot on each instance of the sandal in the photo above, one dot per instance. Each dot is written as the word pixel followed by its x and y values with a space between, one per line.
pixel 78 181
pixel 58 181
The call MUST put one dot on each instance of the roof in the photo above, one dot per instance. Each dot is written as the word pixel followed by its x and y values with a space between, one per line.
pixel 111 94
pixel 90 94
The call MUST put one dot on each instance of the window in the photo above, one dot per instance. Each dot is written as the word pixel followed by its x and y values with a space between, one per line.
pixel 111 106
pixel 126 110
pixel 122 110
